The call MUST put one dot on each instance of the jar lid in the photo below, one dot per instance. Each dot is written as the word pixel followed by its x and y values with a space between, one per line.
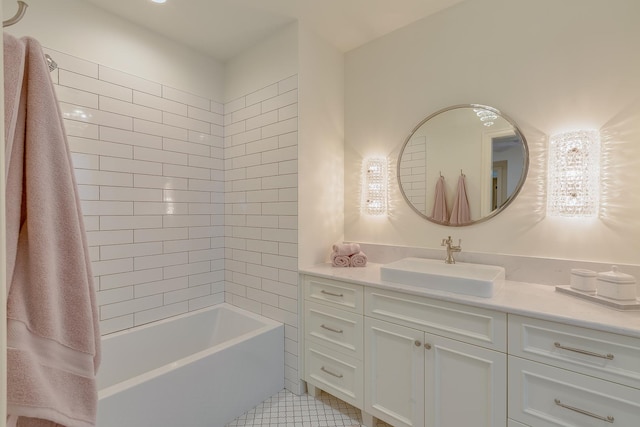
pixel 583 273
pixel 614 276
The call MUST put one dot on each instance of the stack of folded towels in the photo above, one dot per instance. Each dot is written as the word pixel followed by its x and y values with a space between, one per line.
pixel 348 255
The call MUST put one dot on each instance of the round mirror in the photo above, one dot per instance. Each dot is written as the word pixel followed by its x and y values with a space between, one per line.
pixel 462 165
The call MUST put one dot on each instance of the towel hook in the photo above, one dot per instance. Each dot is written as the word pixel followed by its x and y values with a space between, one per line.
pixel 22 9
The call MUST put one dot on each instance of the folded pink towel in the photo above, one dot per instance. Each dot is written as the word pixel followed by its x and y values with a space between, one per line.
pixel 358 260
pixel 346 249
pixel 339 260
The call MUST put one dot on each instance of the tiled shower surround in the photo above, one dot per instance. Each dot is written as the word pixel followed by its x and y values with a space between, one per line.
pixel 187 202
pixel 261 208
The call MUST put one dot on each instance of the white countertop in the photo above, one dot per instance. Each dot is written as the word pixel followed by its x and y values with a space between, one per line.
pixel 527 299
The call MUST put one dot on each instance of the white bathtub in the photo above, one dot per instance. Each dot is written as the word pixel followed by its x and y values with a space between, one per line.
pixel 203 368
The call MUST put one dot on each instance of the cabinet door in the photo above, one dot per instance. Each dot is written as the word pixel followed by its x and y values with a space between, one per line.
pixel 465 385
pixel 394 373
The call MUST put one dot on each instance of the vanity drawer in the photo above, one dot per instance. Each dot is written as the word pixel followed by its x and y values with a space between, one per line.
pixel 346 296
pixel 543 395
pixel 605 355
pixel 338 330
pixel 485 328
pixel 337 374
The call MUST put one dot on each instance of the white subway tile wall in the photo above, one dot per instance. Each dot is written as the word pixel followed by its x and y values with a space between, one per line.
pixel 261 208
pixel 149 162
pixel 413 170
pixel 187 202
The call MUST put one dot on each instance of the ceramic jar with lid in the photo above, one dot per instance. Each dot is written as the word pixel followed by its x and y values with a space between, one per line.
pixel 583 280
pixel 616 285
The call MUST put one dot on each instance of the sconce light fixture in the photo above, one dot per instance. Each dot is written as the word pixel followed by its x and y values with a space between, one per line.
pixel 574 174
pixel 374 186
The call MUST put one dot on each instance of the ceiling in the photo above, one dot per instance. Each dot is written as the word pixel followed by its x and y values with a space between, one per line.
pixel 224 28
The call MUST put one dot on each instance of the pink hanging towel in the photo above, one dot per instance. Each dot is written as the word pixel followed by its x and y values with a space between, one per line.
pixel 460 213
pixel 439 212
pixel 53 338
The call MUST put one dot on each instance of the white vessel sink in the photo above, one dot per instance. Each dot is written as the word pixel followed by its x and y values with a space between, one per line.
pixel 460 278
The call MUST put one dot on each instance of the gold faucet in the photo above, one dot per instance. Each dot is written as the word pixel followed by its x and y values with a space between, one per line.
pixel 451 249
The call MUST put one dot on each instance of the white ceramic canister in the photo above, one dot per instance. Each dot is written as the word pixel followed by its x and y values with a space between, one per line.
pixel 583 280
pixel 616 285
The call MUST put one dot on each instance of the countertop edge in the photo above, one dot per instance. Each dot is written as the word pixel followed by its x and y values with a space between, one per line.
pixel 516 298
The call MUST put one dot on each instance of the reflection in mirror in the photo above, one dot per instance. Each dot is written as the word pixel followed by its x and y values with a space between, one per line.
pixel 507 153
pixel 471 142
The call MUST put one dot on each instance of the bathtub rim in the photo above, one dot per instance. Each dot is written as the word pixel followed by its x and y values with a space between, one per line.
pixel 268 325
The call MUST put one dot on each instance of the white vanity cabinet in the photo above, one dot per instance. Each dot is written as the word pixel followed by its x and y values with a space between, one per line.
pixel 512 423
pixel 333 338
pixel 417 379
pixel 416 375
pixel 416 361
pixel 562 375
pixel 395 368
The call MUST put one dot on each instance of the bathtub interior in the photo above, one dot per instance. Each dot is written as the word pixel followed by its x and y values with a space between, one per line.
pixel 133 352
pixel 230 324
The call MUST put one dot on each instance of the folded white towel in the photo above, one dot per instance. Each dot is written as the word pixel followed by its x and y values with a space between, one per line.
pixel 346 249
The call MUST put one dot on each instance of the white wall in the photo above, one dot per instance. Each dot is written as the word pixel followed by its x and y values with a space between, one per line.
pixel 321 148
pixel 274 59
pixel 321 153
pixel 81 29
pixel 551 66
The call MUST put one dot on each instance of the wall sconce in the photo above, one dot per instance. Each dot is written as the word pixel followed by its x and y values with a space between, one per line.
pixel 574 174
pixel 374 186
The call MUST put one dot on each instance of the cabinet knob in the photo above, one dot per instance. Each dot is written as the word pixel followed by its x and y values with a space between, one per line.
pixel 417 343
pixel 427 346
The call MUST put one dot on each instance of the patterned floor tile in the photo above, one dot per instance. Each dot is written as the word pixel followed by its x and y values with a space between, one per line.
pixel 286 409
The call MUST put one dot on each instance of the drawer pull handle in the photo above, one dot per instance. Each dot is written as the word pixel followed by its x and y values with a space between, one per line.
pixel 329 328
pixel 323 369
pixel 417 343
pixel 427 346
pixel 608 418
pixel 331 294
pixel 588 353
